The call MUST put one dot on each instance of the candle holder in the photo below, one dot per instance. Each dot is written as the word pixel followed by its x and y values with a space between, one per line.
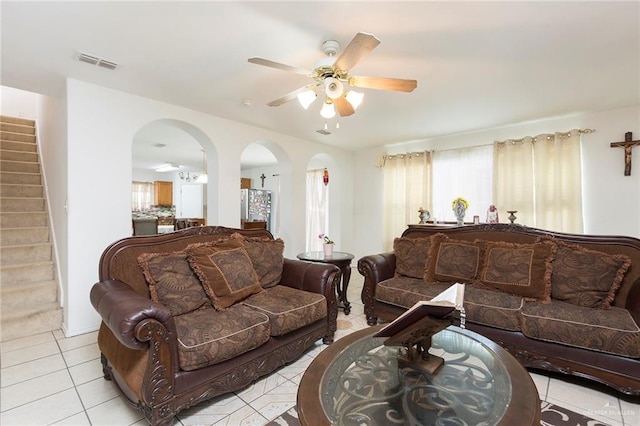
pixel 512 217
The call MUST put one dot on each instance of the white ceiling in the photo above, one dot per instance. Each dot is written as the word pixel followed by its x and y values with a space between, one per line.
pixel 478 64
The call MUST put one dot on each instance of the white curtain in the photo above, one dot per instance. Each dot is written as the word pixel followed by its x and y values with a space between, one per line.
pixel 407 188
pixel 466 173
pixel 317 209
pixel 541 178
pixel 141 196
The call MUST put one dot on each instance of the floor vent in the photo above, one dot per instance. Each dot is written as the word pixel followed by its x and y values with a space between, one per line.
pixel 94 60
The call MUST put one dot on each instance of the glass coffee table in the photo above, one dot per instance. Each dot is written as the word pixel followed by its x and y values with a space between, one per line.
pixel 357 381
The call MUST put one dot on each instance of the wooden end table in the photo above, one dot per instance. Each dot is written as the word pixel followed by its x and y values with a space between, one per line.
pixel 343 261
pixel 358 378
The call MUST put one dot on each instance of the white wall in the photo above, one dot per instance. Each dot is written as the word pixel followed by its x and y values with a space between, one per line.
pixel 17 103
pixel 611 201
pixel 101 126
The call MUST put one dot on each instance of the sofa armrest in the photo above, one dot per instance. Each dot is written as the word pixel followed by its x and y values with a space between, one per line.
pixel 315 277
pixel 122 309
pixel 633 301
pixel 375 268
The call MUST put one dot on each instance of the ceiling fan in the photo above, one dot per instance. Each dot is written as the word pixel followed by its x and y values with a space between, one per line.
pixel 332 73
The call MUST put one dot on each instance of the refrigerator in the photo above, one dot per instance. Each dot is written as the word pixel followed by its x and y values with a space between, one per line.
pixel 255 204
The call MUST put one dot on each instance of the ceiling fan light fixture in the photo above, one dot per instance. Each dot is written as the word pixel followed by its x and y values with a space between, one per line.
pixel 328 110
pixel 354 98
pixel 333 87
pixel 306 98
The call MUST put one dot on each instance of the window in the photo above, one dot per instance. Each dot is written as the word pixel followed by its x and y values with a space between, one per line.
pixel 141 196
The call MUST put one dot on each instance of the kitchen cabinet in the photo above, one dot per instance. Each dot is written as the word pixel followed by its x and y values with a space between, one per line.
pixel 245 183
pixel 163 193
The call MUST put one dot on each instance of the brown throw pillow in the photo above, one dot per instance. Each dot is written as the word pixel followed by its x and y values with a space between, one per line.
pixel 452 260
pixel 585 277
pixel 226 272
pixel 520 269
pixel 172 281
pixel 411 256
pixel 267 256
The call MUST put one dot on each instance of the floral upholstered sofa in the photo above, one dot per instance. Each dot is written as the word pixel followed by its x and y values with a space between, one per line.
pixel 559 302
pixel 196 313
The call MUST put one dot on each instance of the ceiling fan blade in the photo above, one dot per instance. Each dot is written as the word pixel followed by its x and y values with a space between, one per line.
pixel 358 48
pixel 383 83
pixel 278 65
pixel 290 96
pixel 343 106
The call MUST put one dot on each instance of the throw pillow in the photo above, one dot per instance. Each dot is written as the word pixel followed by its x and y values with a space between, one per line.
pixel 267 256
pixel 520 269
pixel 172 281
pixel 411 256
pixel 225 270
pixel 451 260
pixel 585 277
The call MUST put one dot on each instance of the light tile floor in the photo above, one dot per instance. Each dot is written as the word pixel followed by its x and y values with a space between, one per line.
pixel 50 379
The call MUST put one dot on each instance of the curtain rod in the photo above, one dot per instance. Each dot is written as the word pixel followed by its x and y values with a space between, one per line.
pixel 548 135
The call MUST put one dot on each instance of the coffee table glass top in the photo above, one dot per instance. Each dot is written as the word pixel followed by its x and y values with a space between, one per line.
pixel 363 385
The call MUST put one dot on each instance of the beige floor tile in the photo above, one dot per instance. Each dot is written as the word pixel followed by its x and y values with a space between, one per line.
pixel 75 342
pixel 48 410
pixel 212 411
pixel 630 412
pixel 246 416
pixel 24 342
pixel 96 392
pixel 79 419
pixel 87 371
pixel 261 387
pixel 82 354
pixel 296 367
pixel 30 370
pixel 58 334
pixel 592 413
pixel 22 355
pixel 276 401
pixel 587 401
pixel 114 412
pixel 34 389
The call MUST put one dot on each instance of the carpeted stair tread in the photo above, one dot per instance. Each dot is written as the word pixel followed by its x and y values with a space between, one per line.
pixel 23 156
pixel 20 178
pixel 14 295
pixel 20 190
pixel 21 236
pixel 18 146
pixel 27 272
pixel 30 321
pixel 18 137
pixel 17 120
pixel 18 254
pixel 21 204
pixel 22 219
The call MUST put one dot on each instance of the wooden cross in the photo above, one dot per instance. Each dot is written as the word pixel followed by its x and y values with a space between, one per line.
pixel 262 178
pixel 628 145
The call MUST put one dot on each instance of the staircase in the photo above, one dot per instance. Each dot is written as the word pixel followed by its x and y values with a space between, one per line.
pixel 28 283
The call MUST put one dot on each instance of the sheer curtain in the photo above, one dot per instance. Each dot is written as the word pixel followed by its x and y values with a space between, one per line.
pixel 317 209
pixel 141 196
pixel 541 178
pixel 466 173
pixel 407 187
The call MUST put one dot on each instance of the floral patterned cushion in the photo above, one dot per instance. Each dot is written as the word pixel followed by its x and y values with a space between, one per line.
pixel 452 260
pixel 586 277
pixel 267 257
pixel 411 256
pixel 612 331
pixel 225 270
pixel 207 336
pixel 172 281
pixel 520 269
pixel 288 308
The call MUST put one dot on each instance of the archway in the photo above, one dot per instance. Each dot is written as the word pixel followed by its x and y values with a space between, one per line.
pixel 177 158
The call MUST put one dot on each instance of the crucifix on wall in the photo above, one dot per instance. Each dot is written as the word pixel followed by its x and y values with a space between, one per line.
pixel 262 178
pixel 628 145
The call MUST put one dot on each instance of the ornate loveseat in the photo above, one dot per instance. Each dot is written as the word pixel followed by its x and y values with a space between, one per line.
pixel 196 313
pixel 558 302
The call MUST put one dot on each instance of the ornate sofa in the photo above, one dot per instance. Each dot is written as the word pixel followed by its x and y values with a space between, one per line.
pixel 558 302
pixel 196 313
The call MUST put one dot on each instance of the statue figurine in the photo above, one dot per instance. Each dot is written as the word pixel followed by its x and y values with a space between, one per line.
pixel 492 214
pixel 424 215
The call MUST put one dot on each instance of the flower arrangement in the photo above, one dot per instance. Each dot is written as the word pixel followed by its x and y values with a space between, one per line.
pixel 460 200
pixel 325 238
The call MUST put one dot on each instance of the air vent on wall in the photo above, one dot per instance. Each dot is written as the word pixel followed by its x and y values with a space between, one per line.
pixel 323 132
pixel 94 60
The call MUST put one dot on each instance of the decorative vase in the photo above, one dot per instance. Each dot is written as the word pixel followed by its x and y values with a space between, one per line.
pixel 459 210
pixel 328 250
